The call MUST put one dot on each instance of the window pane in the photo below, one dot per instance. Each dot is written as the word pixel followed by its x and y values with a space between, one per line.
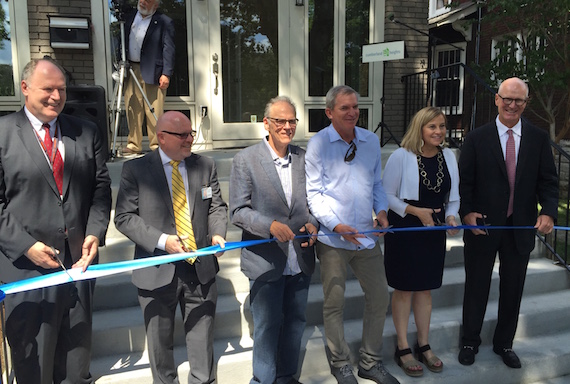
pixel 357 35
pixel 176 10
pixel 321 39
pixel 6 69
pixel 317 120
pixel 249 57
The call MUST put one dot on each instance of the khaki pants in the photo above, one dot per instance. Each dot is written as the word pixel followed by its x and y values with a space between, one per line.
pixel 368 267
pixel 137 109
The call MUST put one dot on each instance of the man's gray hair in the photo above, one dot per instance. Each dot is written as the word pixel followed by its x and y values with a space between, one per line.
pixel 339 90
pixel 276 100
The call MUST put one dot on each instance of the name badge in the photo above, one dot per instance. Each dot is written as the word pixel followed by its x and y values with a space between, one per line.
pixel 206 193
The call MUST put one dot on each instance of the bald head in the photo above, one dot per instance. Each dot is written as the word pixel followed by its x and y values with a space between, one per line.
pixel 513 82
pixel 511 100
pixel 170 119
pixel 175 135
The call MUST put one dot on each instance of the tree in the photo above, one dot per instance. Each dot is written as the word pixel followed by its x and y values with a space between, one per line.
pixel 536 49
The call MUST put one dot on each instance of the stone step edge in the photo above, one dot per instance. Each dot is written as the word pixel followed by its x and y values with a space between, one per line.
pixel 544 357
pixel 131 336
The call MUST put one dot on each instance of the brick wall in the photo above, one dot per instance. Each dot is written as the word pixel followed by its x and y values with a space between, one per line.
pixel 78 62
pixel 413 13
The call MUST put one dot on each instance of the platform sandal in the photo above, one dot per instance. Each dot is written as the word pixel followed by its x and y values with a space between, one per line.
pixel 406 366
pixel 429 363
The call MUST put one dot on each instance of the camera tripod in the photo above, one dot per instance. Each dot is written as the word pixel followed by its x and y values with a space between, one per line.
pixel 119 79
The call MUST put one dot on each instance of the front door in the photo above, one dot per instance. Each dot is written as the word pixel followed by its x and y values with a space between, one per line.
pixel 249 63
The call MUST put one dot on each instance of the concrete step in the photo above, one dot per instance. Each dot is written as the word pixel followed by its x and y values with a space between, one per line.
pixel 544 349
pixel 121 330
pixel 230 278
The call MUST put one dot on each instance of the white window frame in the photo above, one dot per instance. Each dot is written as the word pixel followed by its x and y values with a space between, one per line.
pixel 20 43
pixel 518 53
pixel 458 110
pixel 435 11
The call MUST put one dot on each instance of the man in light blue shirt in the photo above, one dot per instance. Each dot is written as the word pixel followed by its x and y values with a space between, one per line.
pixel 344 187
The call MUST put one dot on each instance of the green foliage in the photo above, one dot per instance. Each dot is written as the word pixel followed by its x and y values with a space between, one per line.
pixel 4 28
pixel 536 48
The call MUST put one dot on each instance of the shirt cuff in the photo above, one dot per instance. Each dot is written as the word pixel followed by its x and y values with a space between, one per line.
pixel 162 242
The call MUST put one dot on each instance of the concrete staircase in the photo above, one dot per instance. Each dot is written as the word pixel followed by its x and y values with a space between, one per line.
pixel 542 343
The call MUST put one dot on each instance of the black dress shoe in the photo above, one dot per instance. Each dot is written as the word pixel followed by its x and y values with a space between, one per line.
pixel 509 356
pixel 467 354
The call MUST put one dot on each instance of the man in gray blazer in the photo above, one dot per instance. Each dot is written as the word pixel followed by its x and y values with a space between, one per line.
pixel 267 200
pixel 144 213
pixel 49 329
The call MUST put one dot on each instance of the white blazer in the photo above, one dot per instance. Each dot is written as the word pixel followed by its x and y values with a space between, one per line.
pixel 402 179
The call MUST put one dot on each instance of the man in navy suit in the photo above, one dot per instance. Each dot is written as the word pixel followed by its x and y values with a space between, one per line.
pixel 46 217
pixel 150 50
pixel 267 198
pixel 486 192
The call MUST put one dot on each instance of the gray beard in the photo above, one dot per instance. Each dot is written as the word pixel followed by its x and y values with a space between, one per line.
pixel 145 12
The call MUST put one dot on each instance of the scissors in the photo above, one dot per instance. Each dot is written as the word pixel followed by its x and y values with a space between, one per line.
pixel 55 258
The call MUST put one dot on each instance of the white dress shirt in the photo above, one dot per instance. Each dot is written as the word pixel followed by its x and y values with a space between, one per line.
pixel 503 137
pixel 283 168
pixel 37 125
pixel 137 34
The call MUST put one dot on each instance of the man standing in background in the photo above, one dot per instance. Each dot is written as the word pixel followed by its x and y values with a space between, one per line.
pixel 150 51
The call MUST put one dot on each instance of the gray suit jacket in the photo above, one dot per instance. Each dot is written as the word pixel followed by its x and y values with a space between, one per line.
pixel 30 206
pixel 257 199
pixel 144 212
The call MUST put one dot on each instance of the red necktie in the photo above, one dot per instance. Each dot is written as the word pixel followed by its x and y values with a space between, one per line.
pixel 57 162
pixel 511 163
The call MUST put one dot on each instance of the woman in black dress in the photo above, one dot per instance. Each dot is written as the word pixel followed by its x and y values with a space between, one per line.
pixel 421 180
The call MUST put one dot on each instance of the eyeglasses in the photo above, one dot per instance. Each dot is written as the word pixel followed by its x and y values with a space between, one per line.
pixel 350 153
pixel 280 123
pixel 182 136
pixel 509 101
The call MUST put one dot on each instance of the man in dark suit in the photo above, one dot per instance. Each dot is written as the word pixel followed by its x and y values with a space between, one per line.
pixel 150 50
pixel 145 214
pixel 267 198
pixel 490 191
pixel 49 329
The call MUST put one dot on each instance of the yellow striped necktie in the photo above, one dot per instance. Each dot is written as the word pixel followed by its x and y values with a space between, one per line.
pixel 181 212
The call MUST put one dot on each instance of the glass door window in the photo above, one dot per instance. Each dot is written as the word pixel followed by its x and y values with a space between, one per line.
pixel 7 86
pixel 250 58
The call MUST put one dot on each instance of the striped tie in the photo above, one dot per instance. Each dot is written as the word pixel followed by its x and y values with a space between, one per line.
pixel 181 212
pixel 511 164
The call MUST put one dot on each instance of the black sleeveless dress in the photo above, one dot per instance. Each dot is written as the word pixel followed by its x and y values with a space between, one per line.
pixel 414 260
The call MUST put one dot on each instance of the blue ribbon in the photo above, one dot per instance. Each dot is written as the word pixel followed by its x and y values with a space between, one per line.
pixel 108 269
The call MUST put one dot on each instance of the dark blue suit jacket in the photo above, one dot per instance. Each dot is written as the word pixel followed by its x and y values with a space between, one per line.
pixel 484 186
pixel 157 53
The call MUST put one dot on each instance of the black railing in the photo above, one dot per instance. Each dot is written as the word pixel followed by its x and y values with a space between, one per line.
pixel 466 99
pixel 557 242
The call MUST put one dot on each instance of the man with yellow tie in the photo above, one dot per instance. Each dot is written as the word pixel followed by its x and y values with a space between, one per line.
pixel 169 201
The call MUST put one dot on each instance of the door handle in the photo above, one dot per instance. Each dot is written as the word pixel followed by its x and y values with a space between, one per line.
pixel 215 70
